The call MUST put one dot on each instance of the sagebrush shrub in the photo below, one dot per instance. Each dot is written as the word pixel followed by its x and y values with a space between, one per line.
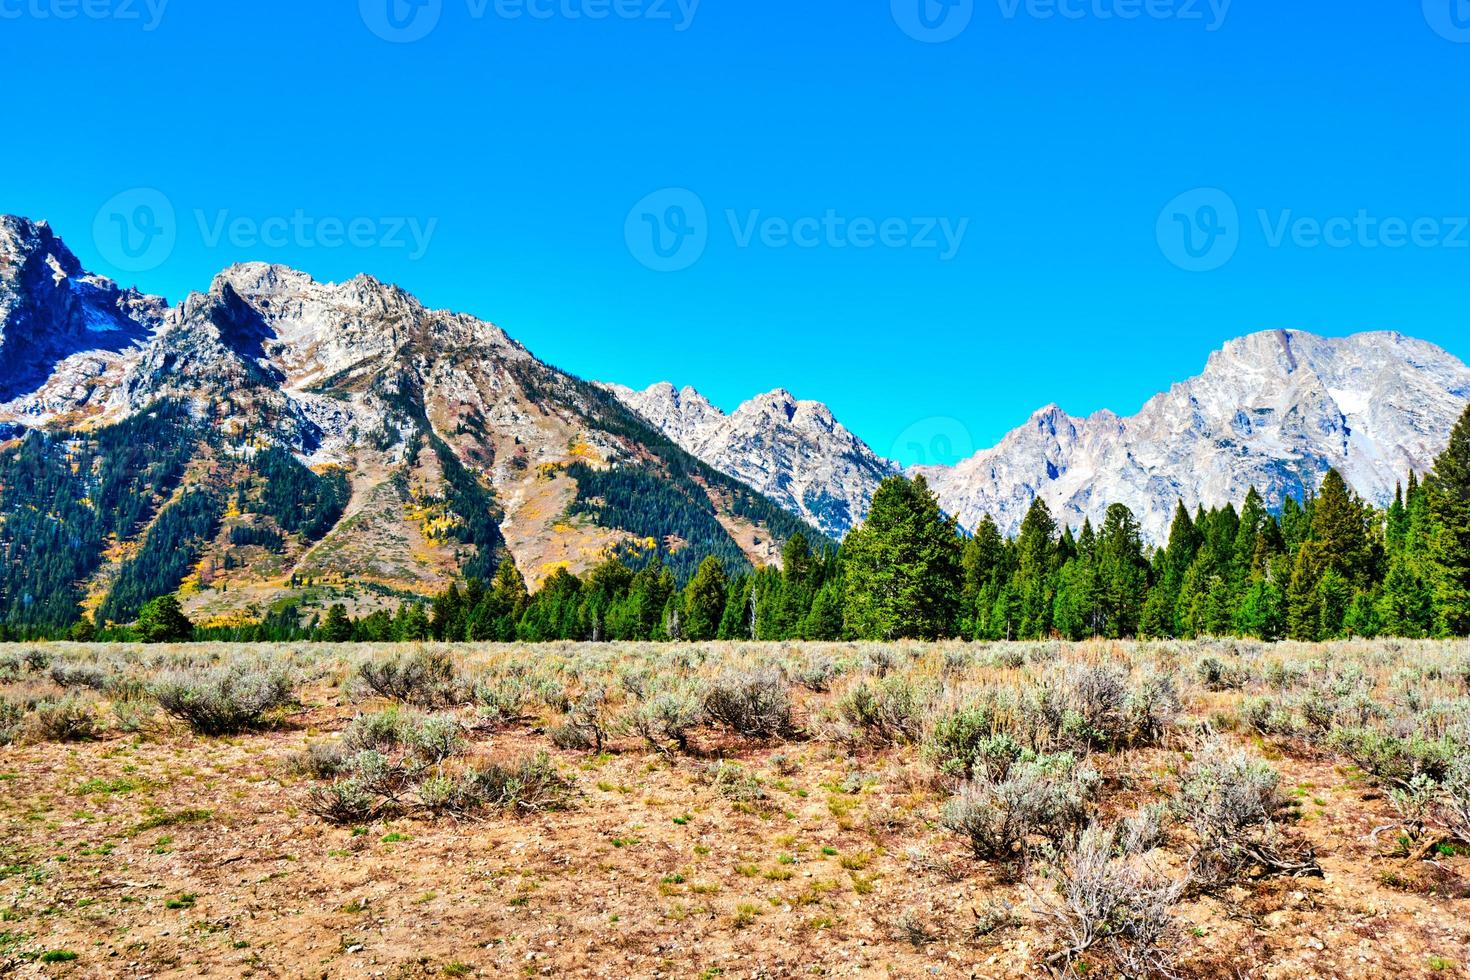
pixel 1233 803
pixel 1393 759
pixel 529 785
pixel 667 717
pixel 889 711
pixel 753 703
pixel 132 714
pixel 1451 809
pixel 225 700
pixel 426 678
pixel 368 785
pixel 502 700
pixel 1216 675
pixel 431 738
pixel 69 719
pixel 74 674
pixel 814 672
pixel 12 719
pixel 585 726
pixel 1045 797
pixel 1106 901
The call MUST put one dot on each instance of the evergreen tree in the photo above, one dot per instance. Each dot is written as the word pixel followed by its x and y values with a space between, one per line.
pixel 162 620
pixel 1448 492
pixel 1122 574
pixel 824 622
pixel 704 601
pixel 1035 580
pixel 1077 608
pixel 984 564
pixel 1261 613
pixel 1160 617
pixel 337 628
pixel 903 566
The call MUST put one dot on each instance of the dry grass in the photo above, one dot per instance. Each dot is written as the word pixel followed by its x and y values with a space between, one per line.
pixel 1206 809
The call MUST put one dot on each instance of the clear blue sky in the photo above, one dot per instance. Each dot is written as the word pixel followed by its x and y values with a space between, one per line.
pixel 529 139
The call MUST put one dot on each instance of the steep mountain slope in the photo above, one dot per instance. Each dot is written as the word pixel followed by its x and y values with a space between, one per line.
pixel 60 328
pixel 795 452
pixel 1272 410
pixel 276 438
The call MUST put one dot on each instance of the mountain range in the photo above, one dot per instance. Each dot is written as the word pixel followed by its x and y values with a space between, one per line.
pixel 276 440
pixel 1274 410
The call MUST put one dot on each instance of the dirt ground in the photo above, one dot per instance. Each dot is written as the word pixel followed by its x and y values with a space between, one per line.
pixel 164 854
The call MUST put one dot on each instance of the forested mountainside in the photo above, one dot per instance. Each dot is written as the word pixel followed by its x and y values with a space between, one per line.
pixel 277 441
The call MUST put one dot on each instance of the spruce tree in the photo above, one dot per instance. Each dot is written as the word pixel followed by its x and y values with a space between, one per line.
pixel 337 627
pixel 162 620
pixel 1448 492
pixel 903 566
pixel 704 601
pixel 1122 574
pixel 1035 580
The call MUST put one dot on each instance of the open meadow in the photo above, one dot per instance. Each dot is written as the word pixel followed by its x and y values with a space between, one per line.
pixel 1204 809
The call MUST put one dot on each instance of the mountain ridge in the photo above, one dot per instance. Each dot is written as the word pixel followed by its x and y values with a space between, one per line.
pixel 1273 409
pixel 445 442
pixel 1373 420
pixel 794 451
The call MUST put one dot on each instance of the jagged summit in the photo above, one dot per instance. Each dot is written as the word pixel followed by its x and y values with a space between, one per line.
pixel 794 451
pixel 429 411
pixel 1274 410
pixel 60 327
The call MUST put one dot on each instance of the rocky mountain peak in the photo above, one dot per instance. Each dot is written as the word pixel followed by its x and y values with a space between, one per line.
pixel 1274 410
pixel 793 451
pixel 51 310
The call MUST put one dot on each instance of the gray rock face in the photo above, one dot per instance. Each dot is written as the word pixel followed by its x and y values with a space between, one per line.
pixel 52 311
pixel 1272 410
pixel 793 451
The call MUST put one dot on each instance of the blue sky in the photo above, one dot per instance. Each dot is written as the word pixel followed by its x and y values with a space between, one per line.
pixel 800 163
